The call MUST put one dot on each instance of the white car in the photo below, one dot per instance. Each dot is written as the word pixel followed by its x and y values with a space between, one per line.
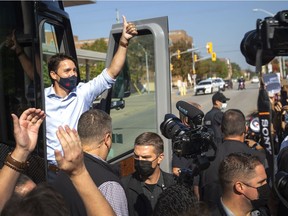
pixel 205 86
pixel 219 83
pixel 255 79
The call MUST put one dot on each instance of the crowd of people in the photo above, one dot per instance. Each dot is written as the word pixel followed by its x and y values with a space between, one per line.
pixel 81 182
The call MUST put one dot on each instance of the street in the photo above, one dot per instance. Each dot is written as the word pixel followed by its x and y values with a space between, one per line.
pixel 139 114
pixel 245 100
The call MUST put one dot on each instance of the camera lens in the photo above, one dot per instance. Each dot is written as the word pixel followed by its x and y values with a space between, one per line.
pixel 172 127
pixel 282 16
pixel 281 183
pixel 249 46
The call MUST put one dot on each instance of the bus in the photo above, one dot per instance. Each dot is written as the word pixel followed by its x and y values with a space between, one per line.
pixel 137 102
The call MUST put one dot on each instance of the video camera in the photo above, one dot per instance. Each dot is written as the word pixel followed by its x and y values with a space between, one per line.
pixel 188 141
pixel 270 35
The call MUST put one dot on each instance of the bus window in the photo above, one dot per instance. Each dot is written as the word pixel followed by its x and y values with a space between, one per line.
pixel 139 113
pixel 17 90
pixel 52 38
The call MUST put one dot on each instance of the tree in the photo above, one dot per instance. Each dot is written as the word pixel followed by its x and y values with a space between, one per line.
pixel 182 66
pixel 236 70
pixel 208 68
pixel 99 45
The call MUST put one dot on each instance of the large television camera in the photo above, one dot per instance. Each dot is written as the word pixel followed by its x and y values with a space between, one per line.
pixel 259 47
pixel 190 140
pixel 270 35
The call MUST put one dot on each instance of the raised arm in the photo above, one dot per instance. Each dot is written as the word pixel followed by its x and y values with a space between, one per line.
pixel 26 134
pixel 129 30
pixel 26 62
pixel 72 163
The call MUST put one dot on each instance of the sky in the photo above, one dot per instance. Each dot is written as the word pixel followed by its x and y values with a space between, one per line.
pixel 224 23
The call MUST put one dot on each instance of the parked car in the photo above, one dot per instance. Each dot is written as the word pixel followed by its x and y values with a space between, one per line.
pixel 255 79
pixel 219 83
pixel 205 86
pixel 228 84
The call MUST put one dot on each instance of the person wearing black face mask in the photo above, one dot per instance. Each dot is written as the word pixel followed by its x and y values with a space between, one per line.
pixel 144 186
pixel 245 189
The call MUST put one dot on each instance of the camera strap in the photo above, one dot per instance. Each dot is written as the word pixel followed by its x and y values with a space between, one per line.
pixel 265 120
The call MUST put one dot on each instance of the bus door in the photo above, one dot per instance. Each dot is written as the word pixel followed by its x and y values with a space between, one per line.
pixel 141 96
pixel 30 32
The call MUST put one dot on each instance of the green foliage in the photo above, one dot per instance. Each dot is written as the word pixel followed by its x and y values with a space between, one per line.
pixel 46 77
pixel 182 66
pixel 236 70
pixel 208 68
pixel 139 47
pixel 99 45
pixel 95 70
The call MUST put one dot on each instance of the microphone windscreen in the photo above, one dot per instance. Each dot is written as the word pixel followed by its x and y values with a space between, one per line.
pixel 188 110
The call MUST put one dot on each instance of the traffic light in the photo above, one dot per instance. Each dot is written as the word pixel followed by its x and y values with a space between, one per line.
pixel 209 47
pixel 195 57
pixel 213 56
pixel 178 54
pixel 171 67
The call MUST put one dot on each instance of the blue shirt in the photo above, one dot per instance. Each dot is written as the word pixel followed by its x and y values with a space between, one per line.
pixel 67 111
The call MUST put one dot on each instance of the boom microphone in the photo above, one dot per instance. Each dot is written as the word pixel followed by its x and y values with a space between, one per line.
pixel 194 114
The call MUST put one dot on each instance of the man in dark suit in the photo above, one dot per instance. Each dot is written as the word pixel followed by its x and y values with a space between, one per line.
pixel 245 188
pixel 234 130
pixel 95 132
pixel 144 186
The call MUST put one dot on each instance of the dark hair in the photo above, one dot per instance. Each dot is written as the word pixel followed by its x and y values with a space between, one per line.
pixel 179 200
pixel 150 139
pixel 23 179
pixel 233 123
pixel 237 166
pixel 93 124
pixel 55 60
pixel 42 200
pixel 23 185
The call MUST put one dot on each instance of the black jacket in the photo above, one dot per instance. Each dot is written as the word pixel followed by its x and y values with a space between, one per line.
pixel 210 189
pixel 212 120
pixel 138 203
pixel 99 171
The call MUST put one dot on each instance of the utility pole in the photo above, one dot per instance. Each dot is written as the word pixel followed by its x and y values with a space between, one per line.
pixel 117 16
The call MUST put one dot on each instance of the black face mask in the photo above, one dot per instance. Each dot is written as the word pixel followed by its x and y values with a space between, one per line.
pixel 263 196
pixel 68 83
pixel 144 168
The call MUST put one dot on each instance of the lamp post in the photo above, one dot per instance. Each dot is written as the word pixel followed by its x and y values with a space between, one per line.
pixel 279 58
pixel 147 68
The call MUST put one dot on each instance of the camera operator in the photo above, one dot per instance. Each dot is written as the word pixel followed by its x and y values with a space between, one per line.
pixel 259 47
pixel 234 130
pixel 282 157
pixel 179 162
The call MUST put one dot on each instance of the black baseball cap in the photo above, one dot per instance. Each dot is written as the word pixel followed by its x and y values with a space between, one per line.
pixel 220 97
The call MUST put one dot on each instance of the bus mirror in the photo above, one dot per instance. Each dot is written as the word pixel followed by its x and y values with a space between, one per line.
pixel 117 104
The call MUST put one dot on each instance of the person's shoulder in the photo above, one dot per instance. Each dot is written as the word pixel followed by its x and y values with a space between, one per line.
pixel 168 178
pixel 125 180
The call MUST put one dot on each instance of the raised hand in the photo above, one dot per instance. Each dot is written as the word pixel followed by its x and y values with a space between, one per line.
pixel 129 29
pixel 26 129
pixel 72 159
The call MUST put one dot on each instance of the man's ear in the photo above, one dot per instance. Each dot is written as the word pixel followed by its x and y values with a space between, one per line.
pixel 106 140
pixel 218 103
pixel 160 158
pixel 53 75
pixel 238 188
